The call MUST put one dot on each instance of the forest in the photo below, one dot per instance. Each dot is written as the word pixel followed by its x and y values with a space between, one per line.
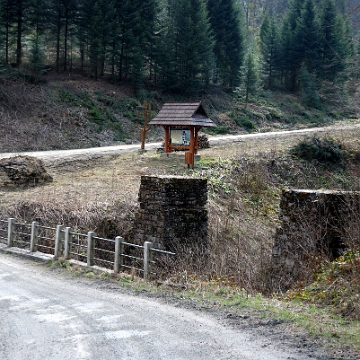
pixel 188 46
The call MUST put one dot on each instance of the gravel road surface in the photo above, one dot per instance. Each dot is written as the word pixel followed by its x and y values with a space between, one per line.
pixel 58 156
pixel 49 315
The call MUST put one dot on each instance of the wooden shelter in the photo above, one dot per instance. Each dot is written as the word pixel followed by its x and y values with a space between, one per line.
pixel 182 122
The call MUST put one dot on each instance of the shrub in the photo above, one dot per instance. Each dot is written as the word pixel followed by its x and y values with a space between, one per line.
pixel 325 151
pixel 218 130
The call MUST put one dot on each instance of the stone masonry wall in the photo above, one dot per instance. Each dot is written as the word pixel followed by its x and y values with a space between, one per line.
pixel 172 212
pixel 314 224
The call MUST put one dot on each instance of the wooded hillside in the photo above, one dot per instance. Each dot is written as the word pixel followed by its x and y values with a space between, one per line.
pixel 186 45
pixel 260 64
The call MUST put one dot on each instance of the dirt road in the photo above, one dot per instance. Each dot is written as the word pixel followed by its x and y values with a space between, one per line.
pixel 50 315
pixel 58 156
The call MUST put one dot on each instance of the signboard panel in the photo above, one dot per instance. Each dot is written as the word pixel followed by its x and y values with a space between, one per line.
pixel 180 137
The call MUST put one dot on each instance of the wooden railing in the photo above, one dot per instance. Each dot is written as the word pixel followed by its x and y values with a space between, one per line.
pixel 64 242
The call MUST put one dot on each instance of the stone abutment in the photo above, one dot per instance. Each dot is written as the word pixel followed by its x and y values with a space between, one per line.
pixel 172 212
pixel 315 225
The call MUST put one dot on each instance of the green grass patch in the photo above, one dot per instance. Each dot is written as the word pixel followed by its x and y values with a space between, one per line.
pixel 100 110
pixel 218 130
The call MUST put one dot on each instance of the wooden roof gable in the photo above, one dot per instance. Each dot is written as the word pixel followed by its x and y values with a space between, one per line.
pixel 183 114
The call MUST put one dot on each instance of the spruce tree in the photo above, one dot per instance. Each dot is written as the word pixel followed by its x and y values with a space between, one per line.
pixel 191 47
pixel 290 50
pixel 270 49
pixel 7 21
pixel 309 92
pixel 309 38
pixel 227 25
pixel 38 16
pixel 335 47
pixel 250 78
pixel 130 39
pixel 20 10
pixel 165 52
pixel 37 56
pixel 64 15
pixel 96 15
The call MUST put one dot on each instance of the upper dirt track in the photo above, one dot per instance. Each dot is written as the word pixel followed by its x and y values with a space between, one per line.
pixel 55 157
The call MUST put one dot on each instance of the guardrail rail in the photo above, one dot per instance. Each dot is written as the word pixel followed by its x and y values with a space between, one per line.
pixel 93 250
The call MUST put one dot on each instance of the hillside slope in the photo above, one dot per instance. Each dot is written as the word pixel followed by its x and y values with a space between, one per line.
pixel 69 111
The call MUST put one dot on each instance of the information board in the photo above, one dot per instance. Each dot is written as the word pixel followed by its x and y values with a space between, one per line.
pixel 180 137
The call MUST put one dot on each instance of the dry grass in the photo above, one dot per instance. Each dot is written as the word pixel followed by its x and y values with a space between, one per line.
pixel 101 195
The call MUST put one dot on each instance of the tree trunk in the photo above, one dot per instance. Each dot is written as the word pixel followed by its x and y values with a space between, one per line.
pixel 19 32
pixel 66 37
pixel 58 48
pixel 7 31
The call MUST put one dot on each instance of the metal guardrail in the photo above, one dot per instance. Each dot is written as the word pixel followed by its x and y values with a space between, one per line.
pixel 64 242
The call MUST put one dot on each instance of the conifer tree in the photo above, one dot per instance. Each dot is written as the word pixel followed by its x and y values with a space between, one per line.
pixel 165 54
pixel 291 58
pixel 130 39
pixel 38 16
pixel 64 15
pixel 335 48
pixel 6 22
pixel 191 47
pixel 309 38
pixel 249 77
pixel 96 24
pixel 309 93
pixel 270 49
pixel 227 25
pixel 37 56
pixel 15 21
pixel 20 9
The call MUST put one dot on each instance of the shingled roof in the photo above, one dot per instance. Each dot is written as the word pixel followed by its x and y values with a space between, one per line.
pixel 183 114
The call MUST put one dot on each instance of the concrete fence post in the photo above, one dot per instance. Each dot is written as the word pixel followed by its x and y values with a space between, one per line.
pixel 67 243
pixel 90 249
pixel 118 256
pixel 147 259
pixel 34 236
pixel 11 232
pixel 58 240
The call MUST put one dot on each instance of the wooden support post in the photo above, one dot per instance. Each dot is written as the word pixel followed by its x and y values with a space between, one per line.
pixel 11 232
pixel 67 246
pixel 167 139
pixel 191 159
pixel 146 110
pixel 196 148
pixel 90 249
pixel 147 259
pixel 34 236
pixel 118 256
pixel 143 130
pixel 58 240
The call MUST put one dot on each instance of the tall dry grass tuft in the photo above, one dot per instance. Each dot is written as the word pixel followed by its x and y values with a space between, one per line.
pixel 99 217
pixel 331 276
pixel 240 249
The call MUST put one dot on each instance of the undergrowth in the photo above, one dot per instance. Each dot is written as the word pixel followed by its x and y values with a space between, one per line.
pixel 98 110
pixel 326 151
pixel 336 285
